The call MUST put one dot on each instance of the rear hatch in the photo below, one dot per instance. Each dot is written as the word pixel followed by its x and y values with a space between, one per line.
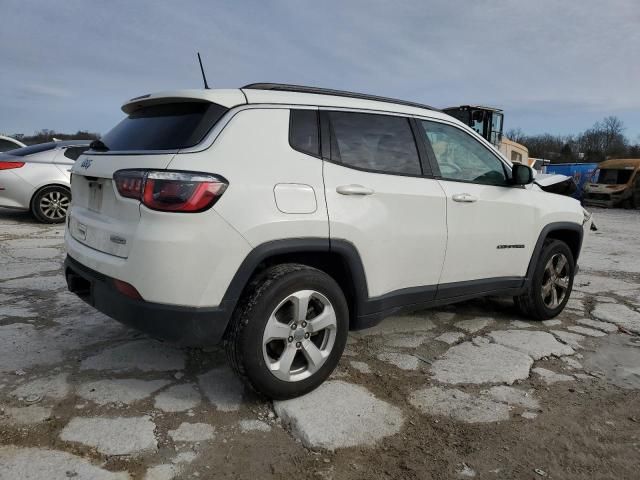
pixel 100 218
pixel 147 139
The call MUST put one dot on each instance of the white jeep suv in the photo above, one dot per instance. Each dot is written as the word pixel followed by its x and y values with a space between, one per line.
pixel 275 218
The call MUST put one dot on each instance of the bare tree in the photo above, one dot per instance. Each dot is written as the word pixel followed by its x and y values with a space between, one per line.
pixel 516 135
pixel 613 130
pixel 605 139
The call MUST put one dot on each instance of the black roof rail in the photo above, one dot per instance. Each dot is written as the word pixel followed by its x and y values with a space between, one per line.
pixel 283 87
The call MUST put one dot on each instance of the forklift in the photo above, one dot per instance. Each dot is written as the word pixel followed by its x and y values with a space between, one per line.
pixel 487 121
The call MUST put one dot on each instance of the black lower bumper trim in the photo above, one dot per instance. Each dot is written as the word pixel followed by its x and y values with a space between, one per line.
pixel 186 326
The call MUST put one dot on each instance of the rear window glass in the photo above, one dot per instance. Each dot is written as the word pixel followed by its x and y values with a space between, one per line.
pixel 31 149
pixel 169 126
pixel 612 176
pixel 6 145
pixel 303 131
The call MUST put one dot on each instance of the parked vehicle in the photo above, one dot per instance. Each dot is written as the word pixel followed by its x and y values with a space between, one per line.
pixel 277 217
pixel 614 183
pixel 580 172
pixel 37 178
pixel 8 143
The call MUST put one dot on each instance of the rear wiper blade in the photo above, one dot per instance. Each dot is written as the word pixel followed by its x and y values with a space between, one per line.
pixel 99 146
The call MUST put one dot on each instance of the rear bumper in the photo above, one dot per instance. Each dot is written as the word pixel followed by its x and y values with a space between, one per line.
pixel 188 326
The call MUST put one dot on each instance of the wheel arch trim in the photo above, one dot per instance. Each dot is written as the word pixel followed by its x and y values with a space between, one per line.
pixel 309 245
pixel 544 234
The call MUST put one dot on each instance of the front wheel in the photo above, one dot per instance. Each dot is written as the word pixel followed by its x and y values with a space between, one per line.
pixel 289 331
pixel 50 204
pixel 551 285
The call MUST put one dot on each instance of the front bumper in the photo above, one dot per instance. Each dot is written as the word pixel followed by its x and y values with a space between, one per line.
pixel 606 200
pixel 187 326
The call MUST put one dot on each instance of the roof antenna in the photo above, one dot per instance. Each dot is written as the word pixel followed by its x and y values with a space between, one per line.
pixel 204 77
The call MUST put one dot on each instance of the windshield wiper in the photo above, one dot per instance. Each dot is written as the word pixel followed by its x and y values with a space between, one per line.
pixel 99 146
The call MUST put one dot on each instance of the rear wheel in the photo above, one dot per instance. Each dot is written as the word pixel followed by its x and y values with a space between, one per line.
pixel 289 331
pixel 551 285
pixel 50 204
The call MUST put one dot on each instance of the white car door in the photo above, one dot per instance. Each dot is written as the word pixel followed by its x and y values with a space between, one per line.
pixel 379 200
pixel 490 223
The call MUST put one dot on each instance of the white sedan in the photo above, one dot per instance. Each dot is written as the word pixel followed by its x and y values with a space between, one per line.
pixel 37 178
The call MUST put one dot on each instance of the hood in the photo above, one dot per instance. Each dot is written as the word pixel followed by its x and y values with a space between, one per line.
pixel 556 183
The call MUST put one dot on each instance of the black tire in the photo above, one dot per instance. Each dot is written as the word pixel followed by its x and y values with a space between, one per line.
pixel 57 197
pixel 244 336
pixel 531 303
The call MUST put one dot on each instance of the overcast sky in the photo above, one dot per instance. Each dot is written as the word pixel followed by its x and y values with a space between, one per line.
pixel 554 66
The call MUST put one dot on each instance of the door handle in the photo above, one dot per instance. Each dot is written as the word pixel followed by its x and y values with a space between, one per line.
pixel 464 198
pixel 354 190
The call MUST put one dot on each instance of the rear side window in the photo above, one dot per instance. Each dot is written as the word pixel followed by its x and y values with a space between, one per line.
pixel 303 131
pixel 74 152
pixel 380 143
pixel 169 126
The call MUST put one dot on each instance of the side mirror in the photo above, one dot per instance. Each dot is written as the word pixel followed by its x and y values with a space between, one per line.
pixel 521 174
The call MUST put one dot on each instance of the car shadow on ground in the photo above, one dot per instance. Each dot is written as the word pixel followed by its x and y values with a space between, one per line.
pixel 18 216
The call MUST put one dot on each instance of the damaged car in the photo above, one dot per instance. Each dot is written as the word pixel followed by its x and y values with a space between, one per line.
pixel 614 183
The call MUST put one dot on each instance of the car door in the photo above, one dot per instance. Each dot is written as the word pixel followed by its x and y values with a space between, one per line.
pixel 490 223
pixel 380 200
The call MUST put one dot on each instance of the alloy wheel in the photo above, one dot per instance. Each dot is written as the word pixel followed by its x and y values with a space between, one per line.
pixel 299 335
pixel 54 204
pixel 555 281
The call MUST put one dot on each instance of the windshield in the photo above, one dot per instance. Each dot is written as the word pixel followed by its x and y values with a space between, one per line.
pixel 612 176
pixel 169 126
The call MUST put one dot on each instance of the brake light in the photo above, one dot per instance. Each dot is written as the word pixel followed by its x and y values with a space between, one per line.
pixel 10 165
pixel 171 191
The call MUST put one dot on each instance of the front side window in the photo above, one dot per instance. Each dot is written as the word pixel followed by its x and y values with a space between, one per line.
pixel 461 157
pixel 381 143
pixel 303 131
pixel 168 126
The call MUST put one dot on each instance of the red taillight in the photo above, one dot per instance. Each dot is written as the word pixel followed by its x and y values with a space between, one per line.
pixel 10 165
pixel 171 191
pixel 127 289
pixel 129 183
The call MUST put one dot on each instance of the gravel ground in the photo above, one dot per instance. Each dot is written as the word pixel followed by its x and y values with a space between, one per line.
pixel 467 391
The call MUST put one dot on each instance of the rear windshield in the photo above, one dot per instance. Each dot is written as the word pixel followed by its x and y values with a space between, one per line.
pixel 31 149
pixel 169 126
pixel 612 176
